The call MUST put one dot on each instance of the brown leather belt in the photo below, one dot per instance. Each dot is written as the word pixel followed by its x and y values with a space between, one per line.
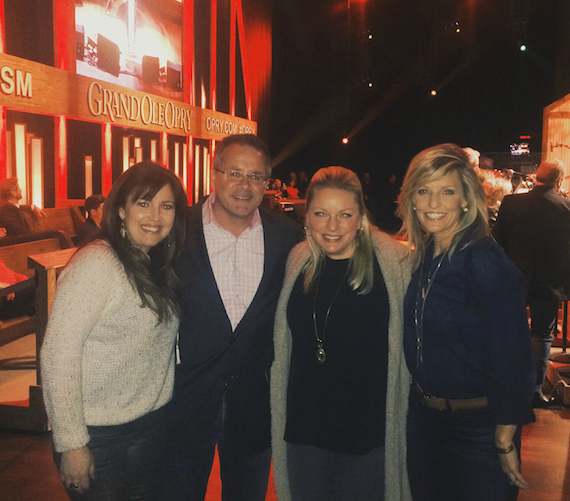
pixel 450 404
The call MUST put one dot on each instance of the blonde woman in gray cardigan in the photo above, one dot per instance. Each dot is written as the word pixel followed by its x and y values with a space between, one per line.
pixel 108 356
pixel 339 382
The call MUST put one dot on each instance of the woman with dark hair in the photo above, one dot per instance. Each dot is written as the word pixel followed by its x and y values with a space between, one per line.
pixel 339 385
pixel 108 355
pixel 466 338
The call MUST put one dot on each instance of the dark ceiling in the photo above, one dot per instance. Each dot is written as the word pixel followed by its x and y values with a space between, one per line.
pixel 365 68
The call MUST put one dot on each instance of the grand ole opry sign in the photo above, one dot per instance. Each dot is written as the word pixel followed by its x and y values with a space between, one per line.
pixel 37 88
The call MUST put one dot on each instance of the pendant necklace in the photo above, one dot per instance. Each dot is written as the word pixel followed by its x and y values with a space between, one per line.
pixel 421 298
pixel 321 354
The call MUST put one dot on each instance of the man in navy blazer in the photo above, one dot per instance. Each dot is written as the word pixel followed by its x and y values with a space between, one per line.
pixel 534 230
pixel 232 266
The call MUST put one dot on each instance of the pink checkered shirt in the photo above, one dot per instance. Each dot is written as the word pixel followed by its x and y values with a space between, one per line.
pixel 237 262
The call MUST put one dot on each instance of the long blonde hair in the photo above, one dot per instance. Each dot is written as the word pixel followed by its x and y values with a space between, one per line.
pixel 432 164
pixel 361 277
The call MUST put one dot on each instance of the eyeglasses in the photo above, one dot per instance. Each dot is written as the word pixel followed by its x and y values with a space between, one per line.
pixel 236 177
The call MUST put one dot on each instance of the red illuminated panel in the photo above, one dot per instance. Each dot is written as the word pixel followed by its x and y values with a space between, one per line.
pixel 254 32
pixel 188 53
pixel 213 51
pixel 61 156
pixel 2 27
pixel 233 57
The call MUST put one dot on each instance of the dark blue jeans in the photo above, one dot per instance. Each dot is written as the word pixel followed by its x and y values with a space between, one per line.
pixel 543 319
pixel 452 457
pixel 128 460
pixel 244 476
pixel 319 475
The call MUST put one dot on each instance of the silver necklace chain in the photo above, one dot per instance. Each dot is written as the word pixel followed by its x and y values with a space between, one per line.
pixel 321 354
pixel 421 298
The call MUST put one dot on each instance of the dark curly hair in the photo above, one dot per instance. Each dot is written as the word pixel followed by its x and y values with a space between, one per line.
pixel 154 279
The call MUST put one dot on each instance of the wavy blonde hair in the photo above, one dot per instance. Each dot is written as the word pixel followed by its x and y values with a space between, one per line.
pixel 430 165
pixel 361 277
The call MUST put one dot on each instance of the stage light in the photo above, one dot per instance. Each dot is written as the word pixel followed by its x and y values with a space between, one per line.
pixel 344 140
pixel 522 47
pixel 150 69
pixel 173 74
pixel 108 55
pixel 433 92
pixel 79 41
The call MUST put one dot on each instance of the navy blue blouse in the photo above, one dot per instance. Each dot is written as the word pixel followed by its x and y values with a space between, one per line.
pixel 475 339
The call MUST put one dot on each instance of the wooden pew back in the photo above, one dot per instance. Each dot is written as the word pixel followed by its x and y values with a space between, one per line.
pixel 15 256
pixel 66 219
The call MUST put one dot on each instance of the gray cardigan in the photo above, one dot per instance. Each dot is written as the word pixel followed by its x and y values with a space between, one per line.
pixel 395 269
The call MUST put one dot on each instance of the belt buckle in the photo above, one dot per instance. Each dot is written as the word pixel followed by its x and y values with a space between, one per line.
pixel 435 402
pixel 426 397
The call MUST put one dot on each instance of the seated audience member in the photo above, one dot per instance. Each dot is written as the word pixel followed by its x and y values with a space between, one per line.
pixel 303 184
pixel 292 191
pixel 10 216
pixel 16 229
pixel 496 187
pixel 276 185
pixel 474 157
pixel 94 210
pixel 19 304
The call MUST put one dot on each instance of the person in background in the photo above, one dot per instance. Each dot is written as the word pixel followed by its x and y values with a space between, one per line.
pixel 534 230
pixel 339 385
pixel 292 178
pixel 94 210
pixel 496 188
pixel 303 184
pixel 10 216
pixel 15 304
pixel 474 157
pixel 277 186
pixel 108 356
pixel 370 194
pixel 291 189
pixel 386 203
pixel 466 338
pixel 232 266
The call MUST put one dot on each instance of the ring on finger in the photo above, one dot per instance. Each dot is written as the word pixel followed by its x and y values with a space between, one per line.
pixel 73 486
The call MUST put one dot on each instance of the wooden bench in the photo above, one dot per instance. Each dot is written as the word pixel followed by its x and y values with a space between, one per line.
pixel 65 219
pixel 33 417
pixel 15 257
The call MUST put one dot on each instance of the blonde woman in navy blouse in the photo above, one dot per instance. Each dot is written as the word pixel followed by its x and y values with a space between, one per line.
pixel 466 339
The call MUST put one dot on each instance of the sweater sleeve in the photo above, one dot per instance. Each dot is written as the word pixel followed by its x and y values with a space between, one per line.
pixel 83 291
pixel 499 288
pixel 280 373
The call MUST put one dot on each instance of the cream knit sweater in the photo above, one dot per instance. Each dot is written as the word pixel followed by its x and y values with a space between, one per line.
pixel 105 360
pixel 390 255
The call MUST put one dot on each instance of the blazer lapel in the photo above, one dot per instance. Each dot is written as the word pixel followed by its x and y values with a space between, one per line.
pixel 202 273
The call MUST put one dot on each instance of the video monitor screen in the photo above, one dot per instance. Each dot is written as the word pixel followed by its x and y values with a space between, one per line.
pixel 132 43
